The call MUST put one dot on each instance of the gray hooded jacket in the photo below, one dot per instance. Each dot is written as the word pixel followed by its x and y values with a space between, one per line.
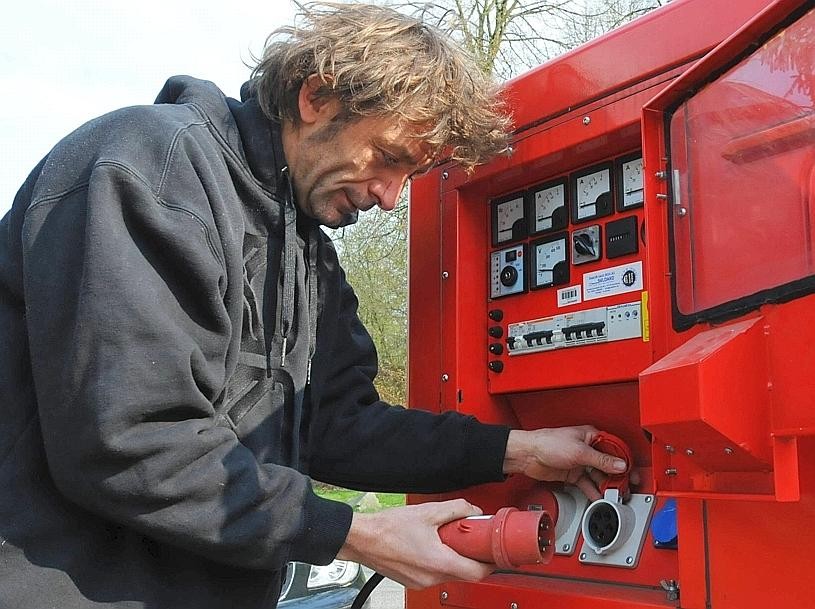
pixel 180 357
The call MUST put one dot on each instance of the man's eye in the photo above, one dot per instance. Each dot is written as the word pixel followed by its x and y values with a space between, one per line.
pixel 389 158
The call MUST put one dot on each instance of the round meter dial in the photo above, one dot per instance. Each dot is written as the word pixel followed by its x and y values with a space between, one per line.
pixel 550 262
pixel 508 219
pixel 549 210
pixel 631 189
pixel 592 193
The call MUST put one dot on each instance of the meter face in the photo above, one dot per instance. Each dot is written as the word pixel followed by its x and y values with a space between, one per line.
pixel 508 219
pixel 550 262
pixel 592 193
pixel 631 192
pixel 549 210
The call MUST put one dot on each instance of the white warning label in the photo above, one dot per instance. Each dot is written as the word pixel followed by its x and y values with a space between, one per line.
pixel 615 280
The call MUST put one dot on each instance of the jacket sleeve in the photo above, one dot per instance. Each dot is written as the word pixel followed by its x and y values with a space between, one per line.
pixel 361 442
pixel 129 334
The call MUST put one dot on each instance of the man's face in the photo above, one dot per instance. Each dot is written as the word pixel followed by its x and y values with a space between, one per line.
pixel 340 168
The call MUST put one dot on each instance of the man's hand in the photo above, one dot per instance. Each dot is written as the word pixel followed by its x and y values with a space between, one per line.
pixel 403 544
pixel 561 454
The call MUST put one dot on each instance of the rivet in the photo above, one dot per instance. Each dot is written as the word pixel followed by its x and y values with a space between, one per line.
pixel 445 175
pixel 648 499
pixel 671 471
pixel 629 560
pixel 513 606
pixel 566 547
pixel 586 120
pixel 444 596
pixel 445 378
pixel 728 450
pixel 445 275
pixel 681 212
pixel 583 556
pixel 689 452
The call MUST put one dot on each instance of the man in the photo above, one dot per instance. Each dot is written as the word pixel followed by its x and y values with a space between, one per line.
pixel 183 354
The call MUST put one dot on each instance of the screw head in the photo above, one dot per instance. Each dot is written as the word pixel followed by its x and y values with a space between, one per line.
pixel 445 175
pixel 445 275
pixel 566 547
pixel 671 471
pixel 445 378
pixel 586 120
pixel 582 556
pixel 728 450
pixel 649 499
pixel 689 452
pixel 629 560
pixel 513 606
pixel 444 595
pixel 681 212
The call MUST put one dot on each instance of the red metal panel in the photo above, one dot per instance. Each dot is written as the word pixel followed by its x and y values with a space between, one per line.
pixel 424 299
pixel 627 55
pixel 755 390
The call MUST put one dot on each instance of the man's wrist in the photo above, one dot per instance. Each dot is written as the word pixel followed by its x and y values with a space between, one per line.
pixel 518 452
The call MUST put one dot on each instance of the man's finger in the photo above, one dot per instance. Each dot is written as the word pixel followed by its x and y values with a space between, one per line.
pixel 453 510
pixel 607 463
pixel 588 488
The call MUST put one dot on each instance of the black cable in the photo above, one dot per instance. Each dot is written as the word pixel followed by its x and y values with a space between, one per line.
pixel 366 590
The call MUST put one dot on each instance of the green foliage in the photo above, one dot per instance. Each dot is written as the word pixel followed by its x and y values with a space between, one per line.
pixel 373 253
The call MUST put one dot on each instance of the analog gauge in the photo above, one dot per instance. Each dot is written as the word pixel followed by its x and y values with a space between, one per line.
pixel 550 263
pixel 549 211
pixel 508 219
pixel 591 193
pixel 631 183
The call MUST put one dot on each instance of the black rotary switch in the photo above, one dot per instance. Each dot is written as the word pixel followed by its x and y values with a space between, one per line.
pixel 496 314
pixel 496 348
pixel 496 366
pixel 509 275
pixel 584 245
pixel 495 331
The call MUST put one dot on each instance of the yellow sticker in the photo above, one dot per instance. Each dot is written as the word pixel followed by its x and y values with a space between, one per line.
pixel 646 319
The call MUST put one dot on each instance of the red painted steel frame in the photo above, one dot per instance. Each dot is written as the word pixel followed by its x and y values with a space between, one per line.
pixel 745 536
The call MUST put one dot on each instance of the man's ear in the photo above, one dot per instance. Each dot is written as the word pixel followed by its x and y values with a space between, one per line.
pixel 315 108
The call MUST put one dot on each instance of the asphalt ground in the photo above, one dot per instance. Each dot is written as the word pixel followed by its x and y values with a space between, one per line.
pixel 387 595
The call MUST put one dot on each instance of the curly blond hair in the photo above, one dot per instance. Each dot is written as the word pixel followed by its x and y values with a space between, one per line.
pixel 379 62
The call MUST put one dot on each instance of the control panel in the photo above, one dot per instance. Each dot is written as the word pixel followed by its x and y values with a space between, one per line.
pixel 575 239
pixel 508 275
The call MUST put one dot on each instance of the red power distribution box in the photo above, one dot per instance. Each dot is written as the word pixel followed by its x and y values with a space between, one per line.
pixel 643 261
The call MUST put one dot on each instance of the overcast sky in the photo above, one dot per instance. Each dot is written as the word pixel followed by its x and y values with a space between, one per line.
pixel 62 63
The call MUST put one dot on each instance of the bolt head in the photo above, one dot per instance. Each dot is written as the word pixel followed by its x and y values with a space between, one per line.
pixel 513 606
pixel 586 120
pixel 648 499
pixel 689 452
pixel 445 378
pixel 629 560
pixel 566 547
pixel 444 596
pixel 445 175
pixel 445 275
pixel 728 451
pixel 582 556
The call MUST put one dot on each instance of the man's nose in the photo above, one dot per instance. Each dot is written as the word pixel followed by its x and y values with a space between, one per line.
pixel 386 191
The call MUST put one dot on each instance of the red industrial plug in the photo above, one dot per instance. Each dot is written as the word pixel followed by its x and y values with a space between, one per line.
pixel 508 539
